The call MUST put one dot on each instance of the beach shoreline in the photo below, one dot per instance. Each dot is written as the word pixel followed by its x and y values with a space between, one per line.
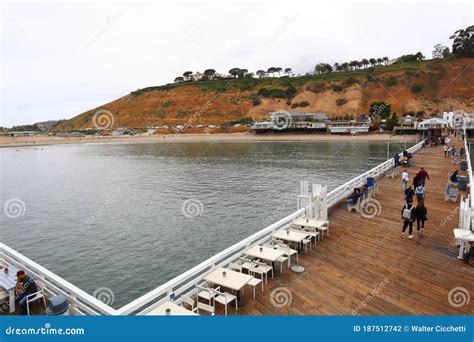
pixel 189 138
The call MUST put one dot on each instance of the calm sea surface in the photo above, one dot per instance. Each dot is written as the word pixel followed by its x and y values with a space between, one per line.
pixel 131 216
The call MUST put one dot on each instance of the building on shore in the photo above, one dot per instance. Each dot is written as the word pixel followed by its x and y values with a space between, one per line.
pixel 433 127
pixel 292 121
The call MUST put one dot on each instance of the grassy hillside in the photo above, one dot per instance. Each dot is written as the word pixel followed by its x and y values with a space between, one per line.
pixel 431 86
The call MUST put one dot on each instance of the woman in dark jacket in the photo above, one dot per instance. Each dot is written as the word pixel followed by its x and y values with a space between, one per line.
pixel 420 215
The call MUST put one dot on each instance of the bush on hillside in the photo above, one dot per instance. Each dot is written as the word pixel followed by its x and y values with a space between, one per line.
pixel 391 82
pixel 337 88
pixel 416 88
pixel 341 101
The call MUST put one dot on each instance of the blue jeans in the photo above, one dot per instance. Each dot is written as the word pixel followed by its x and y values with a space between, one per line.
pixel 21 300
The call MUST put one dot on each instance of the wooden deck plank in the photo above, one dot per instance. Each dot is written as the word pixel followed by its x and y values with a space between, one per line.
pixel 365 267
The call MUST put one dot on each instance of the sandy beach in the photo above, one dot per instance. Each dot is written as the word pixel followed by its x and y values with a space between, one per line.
pixel 177 138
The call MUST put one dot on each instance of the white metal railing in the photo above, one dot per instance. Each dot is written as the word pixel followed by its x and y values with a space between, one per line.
pixel 81 302
pixel 186 282
pixel 342 192
pixel 84 303
pixel 469 167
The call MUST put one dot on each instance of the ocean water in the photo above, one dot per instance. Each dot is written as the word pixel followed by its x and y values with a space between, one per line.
pixel 130 217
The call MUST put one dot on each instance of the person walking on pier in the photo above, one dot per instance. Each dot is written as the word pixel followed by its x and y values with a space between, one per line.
pixel 405 179
pixel 445 151
pixel 409 193
pixel 420 193
pixel 420 214
pixel 408 215
pixel 423 176
pixel 462 153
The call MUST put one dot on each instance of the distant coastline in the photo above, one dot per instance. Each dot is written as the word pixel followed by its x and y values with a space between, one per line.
pixel 219 137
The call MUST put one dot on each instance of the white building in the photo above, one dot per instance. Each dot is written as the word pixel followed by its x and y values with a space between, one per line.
pixel 433 124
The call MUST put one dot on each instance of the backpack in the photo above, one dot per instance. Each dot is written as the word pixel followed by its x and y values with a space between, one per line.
pixel 419 192
pixel 407 213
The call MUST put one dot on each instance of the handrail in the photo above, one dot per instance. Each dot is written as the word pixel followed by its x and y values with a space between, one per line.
pixel 185 282
pixel 84 300
pixel 198 272
pixel 193 276
pixel 343 191
pixel 469 168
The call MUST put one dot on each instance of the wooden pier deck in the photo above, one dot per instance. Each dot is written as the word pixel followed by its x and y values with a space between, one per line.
pixel 365 268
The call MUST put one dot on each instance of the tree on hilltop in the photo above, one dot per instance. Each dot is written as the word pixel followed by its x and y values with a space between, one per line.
pixel 288 71
pixel 179 79
pixel 463 42
pixel 271 70
pixel 261 73
pixel 210 73
pixel 234 72
pixel 186 74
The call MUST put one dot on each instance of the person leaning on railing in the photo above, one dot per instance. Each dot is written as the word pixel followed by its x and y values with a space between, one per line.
pixel 25 286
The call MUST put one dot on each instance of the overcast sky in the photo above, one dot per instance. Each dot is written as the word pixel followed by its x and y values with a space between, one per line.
pixel 60 59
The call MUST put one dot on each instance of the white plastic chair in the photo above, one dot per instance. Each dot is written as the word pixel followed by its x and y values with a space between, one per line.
pixel 205 292
pixel 185 300
pixel 262 268
pixel 235 267
pixel 288 251
pixel 224 298
pixel 205 307
pixel 254 283
pixel 40 294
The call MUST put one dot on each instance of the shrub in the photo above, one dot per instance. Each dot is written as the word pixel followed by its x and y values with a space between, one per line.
pixel 256 101
pixel 181 114
pixel 337 88
pixel 316 88
pixel 391 81
pixel 351 80
pixel 416 88
pixel 167 104
pixel 304 104
pixel 341 101
pixel 295 105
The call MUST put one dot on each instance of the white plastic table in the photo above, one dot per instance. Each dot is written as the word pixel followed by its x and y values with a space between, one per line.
pixel 464 236
pixel 8 282
pixel 264 253
pixel 232 280
pixel 313 223
pixel 291 236
pixel 175 310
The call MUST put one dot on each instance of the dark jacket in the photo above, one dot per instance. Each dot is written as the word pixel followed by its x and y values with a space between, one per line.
pixel 420 213
pixel 409 193
pixel 28 286
pixel 416 180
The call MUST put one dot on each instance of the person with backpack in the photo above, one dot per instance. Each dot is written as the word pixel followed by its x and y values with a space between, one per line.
pixel 420 193
pixel 408 215
pixel 420 214
pixel 409 193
